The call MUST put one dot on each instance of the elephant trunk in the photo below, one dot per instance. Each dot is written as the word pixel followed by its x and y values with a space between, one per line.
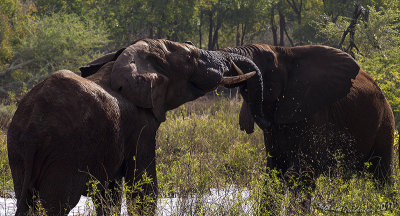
pixel 224 64
pixel 254 86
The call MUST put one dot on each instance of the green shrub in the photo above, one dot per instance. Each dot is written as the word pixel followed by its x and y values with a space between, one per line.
pixel 55 42
pixel 6 183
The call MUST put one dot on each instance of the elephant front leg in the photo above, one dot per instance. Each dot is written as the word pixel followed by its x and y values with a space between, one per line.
pixel 141 182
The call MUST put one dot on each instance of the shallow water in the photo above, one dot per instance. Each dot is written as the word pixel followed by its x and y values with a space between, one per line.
pixel 214 201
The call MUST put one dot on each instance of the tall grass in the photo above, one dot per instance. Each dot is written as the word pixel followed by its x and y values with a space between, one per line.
pixel 6 183
pixel 200 149
pixel 207 166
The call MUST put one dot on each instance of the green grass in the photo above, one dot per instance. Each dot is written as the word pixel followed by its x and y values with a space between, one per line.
pixel 6 183
pixel 200 147
pixel 200 150
pixel 6 113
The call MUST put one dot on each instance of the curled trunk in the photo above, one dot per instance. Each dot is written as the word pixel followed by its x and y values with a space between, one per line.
pixel 254 87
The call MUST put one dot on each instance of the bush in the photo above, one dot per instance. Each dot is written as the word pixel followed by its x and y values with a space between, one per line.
pixel 6 183
pixel 59 41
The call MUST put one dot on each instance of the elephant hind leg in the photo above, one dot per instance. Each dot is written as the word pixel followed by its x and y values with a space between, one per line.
pixel 21 172
pixel 60 188
pixel 24 200
pixel 382 154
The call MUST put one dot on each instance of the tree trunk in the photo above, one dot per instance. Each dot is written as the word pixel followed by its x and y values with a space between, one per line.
pixel 282 26
pixel 287 35
pixel 151 33
pixel 160 33
pixel 274 28
pixel 210 31
pixel 296 8
pixel 299 18
pixel 237 35
pixel 200 33
pixel 358 11
pixel 243 34
pixel 215 37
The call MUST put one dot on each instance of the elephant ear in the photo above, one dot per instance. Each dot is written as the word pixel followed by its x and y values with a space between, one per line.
pixel 94 66
pixel 135 77
pixel 246 120
pixel 148 91
pixel 317 77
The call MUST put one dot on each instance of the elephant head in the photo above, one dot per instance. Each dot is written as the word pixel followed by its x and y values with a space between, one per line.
pixel 298 81
pixel 161 75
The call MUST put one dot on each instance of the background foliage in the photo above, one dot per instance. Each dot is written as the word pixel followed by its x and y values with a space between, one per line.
pixel 38 37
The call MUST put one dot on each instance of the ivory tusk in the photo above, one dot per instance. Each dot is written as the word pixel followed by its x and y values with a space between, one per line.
pixel 236 79
pixel 240 72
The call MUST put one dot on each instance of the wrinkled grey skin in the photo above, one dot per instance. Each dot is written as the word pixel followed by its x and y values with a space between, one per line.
pixel 69 129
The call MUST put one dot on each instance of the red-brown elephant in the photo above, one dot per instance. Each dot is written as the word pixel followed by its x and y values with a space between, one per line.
pixel 321 108
pixel 68 129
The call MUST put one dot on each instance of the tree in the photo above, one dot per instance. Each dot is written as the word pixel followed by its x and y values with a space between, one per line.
pixel 215 11
pixel 379 44
pixel 359 12
pixel 59 41
pixel 384 67
pixel 14 19
pixel 244 17
pixel 297 7
pixel 279 9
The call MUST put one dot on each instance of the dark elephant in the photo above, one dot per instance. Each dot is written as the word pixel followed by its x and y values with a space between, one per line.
pixel 322 109
pixel 68 129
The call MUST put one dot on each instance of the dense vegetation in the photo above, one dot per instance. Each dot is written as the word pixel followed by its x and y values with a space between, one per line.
pixel 200 146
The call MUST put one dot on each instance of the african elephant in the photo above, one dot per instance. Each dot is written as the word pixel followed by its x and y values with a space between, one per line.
pixel 69 129
pixel 322 108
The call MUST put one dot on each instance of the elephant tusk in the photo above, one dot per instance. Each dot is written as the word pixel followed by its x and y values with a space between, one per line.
pixel 240 72
pixel 236 79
